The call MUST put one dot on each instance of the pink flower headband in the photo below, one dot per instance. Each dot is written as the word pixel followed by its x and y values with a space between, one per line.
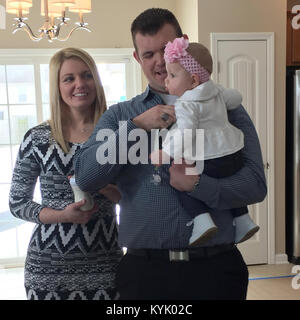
pixel 176 52
pixel 176 49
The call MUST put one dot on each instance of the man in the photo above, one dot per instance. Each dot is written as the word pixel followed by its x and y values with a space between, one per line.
pixel 153 225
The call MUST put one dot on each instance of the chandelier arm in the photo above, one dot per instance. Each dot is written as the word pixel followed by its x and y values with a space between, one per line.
pixel 74 29
pixel 53 33
pixel 25 27
pixel 50 29
pixel 58 27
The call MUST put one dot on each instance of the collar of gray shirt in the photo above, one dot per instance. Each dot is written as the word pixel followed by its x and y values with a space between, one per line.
pixel 168 99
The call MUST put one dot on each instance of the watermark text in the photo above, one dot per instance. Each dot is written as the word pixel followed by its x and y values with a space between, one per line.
pixel 296 18
pixel 296 279
pixel 122 148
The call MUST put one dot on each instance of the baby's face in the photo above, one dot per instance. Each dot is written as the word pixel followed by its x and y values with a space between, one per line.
pixel 178 80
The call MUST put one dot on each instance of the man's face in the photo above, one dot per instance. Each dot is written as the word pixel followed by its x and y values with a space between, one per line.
pixel 150 55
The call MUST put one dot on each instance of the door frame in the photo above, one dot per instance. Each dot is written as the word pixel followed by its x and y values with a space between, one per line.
pixel 2 18
pixel 269 38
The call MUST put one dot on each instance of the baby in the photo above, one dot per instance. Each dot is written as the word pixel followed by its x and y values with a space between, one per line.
pixel 202 104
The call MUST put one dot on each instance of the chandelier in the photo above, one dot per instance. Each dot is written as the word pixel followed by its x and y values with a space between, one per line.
pixel 54 12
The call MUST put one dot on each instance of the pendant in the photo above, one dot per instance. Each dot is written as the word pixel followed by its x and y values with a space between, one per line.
pixel 156 179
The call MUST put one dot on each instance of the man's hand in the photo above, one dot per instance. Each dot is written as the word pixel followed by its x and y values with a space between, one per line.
pixel 152 118
pixel 180 180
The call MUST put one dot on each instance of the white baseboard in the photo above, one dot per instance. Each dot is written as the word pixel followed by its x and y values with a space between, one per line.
pixel 281 258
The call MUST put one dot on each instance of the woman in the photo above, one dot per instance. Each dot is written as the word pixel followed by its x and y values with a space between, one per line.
pixel 72 254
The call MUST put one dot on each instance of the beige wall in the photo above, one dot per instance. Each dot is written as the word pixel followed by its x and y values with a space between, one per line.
pixel 187 15
pixel 110 21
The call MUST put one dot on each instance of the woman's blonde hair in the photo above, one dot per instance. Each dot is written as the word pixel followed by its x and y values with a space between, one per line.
pixel 56 103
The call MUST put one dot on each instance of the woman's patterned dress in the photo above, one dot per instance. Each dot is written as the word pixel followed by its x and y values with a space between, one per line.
pixel 64 260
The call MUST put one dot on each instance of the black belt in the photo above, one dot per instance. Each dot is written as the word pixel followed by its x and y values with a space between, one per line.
pixel 181 255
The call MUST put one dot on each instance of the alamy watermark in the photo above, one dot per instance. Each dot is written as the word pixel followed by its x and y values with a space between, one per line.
pixel 122 148
pixel 296 18
pixel 296 278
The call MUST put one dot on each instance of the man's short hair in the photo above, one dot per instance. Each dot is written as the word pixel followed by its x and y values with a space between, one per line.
pixel 151 21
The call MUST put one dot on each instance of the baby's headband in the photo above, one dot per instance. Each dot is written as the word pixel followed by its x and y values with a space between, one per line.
pixel 176 52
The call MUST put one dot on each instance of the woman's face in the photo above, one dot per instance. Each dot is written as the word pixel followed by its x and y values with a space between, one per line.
pixel 76 84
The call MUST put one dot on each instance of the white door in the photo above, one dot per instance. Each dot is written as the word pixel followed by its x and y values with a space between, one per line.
pixel 243 65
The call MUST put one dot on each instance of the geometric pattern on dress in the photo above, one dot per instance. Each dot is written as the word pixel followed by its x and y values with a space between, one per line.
pixel 74 295
pixel 64 260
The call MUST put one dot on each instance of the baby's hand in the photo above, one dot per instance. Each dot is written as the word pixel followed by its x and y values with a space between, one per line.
pixel 159 157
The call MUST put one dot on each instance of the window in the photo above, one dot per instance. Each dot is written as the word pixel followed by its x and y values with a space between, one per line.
pixel 24 102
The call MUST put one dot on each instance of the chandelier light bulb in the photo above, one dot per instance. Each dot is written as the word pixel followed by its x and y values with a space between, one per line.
pixel 15 10
pixel 21 4
pixel 66 3
pixel 83 6
pixel 53 10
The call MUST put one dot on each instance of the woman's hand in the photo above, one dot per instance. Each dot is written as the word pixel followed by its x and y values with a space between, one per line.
pixel 70 214
pixel 73 214
pixel 111 192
